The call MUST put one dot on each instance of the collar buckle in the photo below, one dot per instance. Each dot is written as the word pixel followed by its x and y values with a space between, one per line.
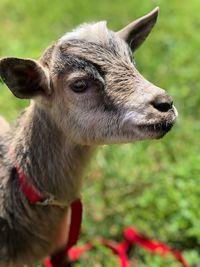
pixel 50 200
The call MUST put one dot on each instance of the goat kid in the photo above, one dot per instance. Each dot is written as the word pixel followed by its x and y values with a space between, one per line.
pixel 85 92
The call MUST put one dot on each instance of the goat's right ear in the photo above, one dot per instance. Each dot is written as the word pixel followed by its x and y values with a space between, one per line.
pixel 25 78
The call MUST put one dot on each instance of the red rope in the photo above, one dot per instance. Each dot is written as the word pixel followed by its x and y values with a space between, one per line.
pixel 134 237
pixel 59 258
pixel 121 249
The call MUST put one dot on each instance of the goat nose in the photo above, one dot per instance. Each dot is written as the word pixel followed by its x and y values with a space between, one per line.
pixel 162 103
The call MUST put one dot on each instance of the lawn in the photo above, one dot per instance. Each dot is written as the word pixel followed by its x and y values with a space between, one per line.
pixel 153 185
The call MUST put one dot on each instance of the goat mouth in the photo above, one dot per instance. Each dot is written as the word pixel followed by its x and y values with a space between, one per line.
pixel 159 129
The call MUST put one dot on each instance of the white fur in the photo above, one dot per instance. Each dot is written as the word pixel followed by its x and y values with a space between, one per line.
pixel 93 32
pixel 4 126
pixel 134 117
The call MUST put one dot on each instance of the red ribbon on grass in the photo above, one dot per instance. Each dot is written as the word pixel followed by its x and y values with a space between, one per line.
pixel 131 237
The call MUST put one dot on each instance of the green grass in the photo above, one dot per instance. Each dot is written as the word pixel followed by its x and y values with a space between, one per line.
pixel 154 185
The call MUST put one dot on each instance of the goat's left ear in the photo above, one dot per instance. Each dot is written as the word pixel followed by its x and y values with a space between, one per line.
pixel 137 31
pixel 25 78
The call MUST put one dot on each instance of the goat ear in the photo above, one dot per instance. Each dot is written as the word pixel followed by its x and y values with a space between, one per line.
pixel 137 31
pixel 25 78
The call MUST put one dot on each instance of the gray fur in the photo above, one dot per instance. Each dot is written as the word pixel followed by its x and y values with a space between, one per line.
pixel 55 137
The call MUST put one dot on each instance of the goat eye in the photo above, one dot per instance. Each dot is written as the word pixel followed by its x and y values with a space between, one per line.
pixel 79 86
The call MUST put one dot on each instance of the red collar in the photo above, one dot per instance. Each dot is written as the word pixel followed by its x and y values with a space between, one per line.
pixel 36 197
pixel 30 191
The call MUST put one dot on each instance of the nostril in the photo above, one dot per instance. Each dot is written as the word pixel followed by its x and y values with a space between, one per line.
pixel 163 107
pixel 162 103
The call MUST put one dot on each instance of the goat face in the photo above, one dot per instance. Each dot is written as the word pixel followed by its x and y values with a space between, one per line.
pixel 88 82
